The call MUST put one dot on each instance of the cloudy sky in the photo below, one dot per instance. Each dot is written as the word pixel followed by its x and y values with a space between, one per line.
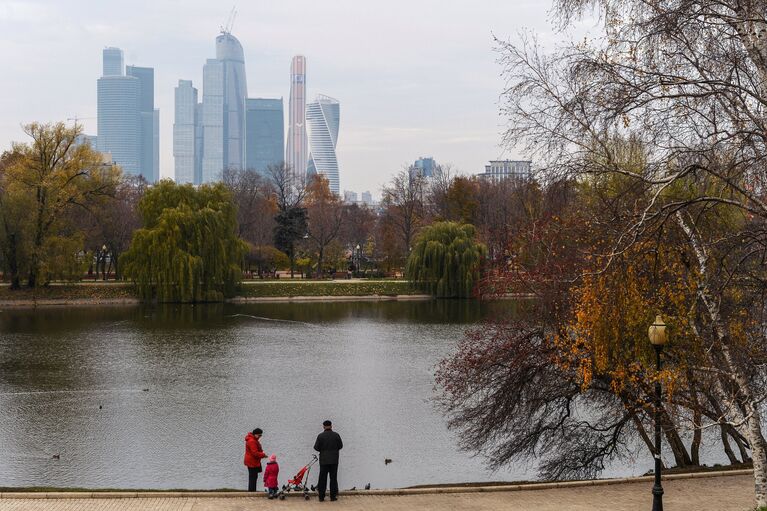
pixel 414 77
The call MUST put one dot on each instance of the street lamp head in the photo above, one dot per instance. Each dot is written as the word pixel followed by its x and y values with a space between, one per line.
pixel 358 246
pixel 657 332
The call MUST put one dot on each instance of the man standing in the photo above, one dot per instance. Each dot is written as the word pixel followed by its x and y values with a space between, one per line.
pixel 328 444
pixel 253 456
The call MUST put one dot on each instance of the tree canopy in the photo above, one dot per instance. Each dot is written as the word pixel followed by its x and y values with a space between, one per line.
pixel 187 249
pixel 446 260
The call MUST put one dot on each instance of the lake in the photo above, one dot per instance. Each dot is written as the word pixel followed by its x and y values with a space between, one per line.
pixel 161 398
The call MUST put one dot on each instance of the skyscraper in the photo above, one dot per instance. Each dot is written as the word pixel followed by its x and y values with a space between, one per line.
pixel 128 123
pixel 119 122
pixel 223 109
pixel 112 61
pixel 425 166
pixel 296 154
pixel 149 119
pixel 265 132
pixel 184 126
pixel 322 119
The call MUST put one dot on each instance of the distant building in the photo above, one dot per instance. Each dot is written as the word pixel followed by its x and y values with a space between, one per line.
pixel 112 62
pixel 223 109
pixel 323 117
pixel 265 133
pixel 185 155
pixel 150 123
pixel 497 170
pixel 297 149
pixel 128 124
pixel 365 199
pixel 350 197
pixel 425 166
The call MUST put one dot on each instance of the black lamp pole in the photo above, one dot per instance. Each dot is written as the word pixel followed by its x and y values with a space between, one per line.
pixel 657 489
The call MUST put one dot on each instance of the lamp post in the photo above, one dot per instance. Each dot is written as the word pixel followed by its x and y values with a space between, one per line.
pixel 358 253
pixel 657 335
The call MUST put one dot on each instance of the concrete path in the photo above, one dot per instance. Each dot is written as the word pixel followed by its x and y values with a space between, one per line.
pixel 727 493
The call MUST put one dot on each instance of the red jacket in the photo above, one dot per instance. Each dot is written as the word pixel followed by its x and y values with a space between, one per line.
pixel 270 475
pixel 253 451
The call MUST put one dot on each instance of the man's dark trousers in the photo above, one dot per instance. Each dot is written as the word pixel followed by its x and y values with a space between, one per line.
pixel 332 471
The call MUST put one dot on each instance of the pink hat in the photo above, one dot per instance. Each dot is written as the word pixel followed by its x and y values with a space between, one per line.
pixel 273 457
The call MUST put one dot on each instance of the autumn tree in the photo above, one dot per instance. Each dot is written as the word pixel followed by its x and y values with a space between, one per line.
pixel 326 214
pixel 58 175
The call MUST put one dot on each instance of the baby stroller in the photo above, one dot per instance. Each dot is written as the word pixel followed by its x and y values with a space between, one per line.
pixel 298 482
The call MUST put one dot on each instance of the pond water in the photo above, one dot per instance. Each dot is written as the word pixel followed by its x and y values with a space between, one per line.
pixel 134 397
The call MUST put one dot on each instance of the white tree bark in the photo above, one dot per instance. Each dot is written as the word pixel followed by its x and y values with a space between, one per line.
pixel 750 422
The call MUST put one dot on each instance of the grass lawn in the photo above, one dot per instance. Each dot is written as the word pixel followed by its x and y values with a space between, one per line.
pixel 286 288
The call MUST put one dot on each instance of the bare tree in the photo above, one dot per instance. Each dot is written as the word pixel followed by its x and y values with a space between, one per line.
pixel 404 206
pixel 687 81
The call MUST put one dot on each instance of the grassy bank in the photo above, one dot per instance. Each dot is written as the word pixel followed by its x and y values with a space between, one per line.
pixel 75 292
pixel 97 292
pixel 326 288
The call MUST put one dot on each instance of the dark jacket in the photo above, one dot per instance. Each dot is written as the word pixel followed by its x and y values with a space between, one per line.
pixel 328 444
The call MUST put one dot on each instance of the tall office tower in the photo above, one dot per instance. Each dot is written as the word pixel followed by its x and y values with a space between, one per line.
pixel 223 109
pixel 296 153
pixel 322 119
pixel 149 119
pixel 425 166
pixel 198 131
pixel 265 131
pixel 112 61
pixel 119 121
pixel 184 125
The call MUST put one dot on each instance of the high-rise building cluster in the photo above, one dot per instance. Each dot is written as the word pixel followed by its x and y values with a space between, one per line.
pixel 217 127
pixel 223 128
pixel 128 122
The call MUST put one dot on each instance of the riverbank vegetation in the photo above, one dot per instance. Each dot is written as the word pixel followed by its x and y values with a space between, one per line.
pixel 655 178
pixel 68 214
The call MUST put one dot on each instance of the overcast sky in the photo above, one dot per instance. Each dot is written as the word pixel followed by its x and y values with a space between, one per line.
pixel 414 77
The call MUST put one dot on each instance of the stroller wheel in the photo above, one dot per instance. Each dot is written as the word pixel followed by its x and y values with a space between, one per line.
pixel 282 497
pixel 306 497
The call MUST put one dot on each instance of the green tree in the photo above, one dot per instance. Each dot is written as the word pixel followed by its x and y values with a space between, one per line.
pixel 187 249
pixel 446 260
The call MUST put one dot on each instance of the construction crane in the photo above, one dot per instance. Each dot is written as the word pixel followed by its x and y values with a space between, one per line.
pixel 77 118
pixel 227 29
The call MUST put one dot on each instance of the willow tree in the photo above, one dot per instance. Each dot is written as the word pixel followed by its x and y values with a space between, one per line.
pixel 188 249
pixel 446 260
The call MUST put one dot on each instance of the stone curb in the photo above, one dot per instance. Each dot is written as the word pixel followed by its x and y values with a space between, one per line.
pixel 383 492
pixel 328 298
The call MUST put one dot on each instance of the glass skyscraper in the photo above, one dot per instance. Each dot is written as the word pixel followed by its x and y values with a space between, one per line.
pixel 184 128
pixel 323 117
pixel 150 123
pixel 112 61
pixel 296 153
pixel 265 132
pixel 128 124
pixel 223 109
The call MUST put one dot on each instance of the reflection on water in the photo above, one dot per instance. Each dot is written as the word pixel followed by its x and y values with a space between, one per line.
pixel 139 397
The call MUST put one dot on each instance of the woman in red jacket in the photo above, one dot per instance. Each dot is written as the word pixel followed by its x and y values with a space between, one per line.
pixel 253 456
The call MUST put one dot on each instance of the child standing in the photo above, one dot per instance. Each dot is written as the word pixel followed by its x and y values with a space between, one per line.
pixel 270 476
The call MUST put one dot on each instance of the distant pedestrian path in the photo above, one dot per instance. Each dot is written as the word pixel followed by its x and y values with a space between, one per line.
pixel 727 493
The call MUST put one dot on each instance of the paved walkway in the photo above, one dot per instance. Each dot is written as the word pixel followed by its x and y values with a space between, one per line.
pixel 729 493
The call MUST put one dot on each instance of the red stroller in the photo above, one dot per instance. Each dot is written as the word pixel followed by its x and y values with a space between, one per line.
pixel 298 482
